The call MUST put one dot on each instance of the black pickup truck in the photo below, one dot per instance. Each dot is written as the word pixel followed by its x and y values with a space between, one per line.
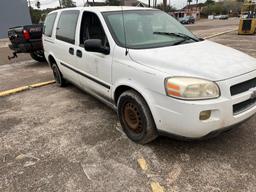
pixel 27 39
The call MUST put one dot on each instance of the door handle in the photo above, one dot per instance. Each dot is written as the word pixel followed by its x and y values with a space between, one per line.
pixel 79 53
pixel 71 51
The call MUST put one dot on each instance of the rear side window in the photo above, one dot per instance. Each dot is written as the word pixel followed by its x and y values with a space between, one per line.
pixel 66 28
pixel 48 24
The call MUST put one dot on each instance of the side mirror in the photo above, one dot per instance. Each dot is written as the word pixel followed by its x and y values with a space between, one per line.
pixel 95 45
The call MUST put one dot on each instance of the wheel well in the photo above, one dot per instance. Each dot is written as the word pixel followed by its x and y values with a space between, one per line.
pixel 51 60
pixel 121 89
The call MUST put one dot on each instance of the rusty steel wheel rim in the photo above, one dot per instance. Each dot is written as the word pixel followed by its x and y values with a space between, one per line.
pixel 132 117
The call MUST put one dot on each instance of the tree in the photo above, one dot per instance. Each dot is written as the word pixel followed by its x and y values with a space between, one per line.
pixel 60 3
pixel 114 2
pixel 155 3
pixel 67 3
pixel 224 7
pixel 168 8
pixel 35 15
pixel 209 2
pixel 165 5
pixel 38 15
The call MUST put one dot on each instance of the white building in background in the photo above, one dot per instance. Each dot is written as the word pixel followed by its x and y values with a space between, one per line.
pixel 189 10
pixel 13 13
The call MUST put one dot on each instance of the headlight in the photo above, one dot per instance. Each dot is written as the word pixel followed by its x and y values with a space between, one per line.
pixel 189 88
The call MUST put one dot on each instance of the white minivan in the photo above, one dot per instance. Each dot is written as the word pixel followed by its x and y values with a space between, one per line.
pixel 159 77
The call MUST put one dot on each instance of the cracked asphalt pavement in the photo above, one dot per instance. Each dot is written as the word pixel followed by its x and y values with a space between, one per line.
pixel 62 139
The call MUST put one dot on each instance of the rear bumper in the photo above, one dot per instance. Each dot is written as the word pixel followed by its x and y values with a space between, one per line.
pixel 27 47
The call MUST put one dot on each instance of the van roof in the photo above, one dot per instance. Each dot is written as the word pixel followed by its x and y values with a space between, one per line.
pixel 105 8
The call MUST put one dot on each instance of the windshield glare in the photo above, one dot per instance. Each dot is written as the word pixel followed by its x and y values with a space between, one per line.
pixel 140 27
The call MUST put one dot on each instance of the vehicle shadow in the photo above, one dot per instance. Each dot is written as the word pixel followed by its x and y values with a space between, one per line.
pixel 37 64
pixel 235 143
pixel 239 139
pixel 231 146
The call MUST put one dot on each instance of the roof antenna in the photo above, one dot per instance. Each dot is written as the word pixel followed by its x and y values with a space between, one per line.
pixel 125 40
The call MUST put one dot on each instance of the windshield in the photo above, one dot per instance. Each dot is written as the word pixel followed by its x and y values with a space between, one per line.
pixel 146 29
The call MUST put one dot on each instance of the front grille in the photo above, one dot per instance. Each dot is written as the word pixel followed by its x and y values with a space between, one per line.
pixel 243 106
pixel 242 87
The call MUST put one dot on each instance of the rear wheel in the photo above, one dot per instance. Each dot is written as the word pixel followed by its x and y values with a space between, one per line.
pixel 60 81
pixel 136 118
pixel 38 56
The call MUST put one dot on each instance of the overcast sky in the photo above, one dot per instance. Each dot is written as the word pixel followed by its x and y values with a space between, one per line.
pixel 54 3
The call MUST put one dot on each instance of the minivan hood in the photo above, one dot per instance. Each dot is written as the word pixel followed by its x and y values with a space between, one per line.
pixel 203 59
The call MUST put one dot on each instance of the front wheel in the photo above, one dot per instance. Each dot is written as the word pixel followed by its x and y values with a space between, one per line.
pixel 38 56
pixel 136 118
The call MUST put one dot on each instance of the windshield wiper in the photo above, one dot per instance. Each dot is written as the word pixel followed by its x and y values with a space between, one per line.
pixel 181 35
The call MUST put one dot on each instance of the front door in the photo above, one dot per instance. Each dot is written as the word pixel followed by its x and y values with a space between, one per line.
pixel 95 66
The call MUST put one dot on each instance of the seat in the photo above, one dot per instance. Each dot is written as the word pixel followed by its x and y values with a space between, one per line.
pixel 133 34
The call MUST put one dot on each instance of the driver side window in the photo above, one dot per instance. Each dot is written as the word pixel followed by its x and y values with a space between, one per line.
pixel 91 28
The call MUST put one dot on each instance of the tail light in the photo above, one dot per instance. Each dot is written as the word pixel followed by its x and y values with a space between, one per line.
pixel 26 35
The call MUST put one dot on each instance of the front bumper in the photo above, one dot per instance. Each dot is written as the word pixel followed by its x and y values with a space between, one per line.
pixel 181 118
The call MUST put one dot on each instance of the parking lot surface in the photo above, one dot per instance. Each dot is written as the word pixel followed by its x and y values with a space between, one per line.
pixel 5 52
pixel 62 139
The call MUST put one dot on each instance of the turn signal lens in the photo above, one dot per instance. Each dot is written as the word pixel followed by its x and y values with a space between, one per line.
pixel 173 89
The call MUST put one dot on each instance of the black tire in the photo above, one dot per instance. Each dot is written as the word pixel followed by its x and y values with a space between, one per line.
pixel 136 118
pixel 38 56
pixel 60 81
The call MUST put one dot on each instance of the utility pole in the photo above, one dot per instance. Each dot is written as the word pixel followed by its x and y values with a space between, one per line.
pixel 165 5
pixel 29 5
pixel 60 3
pixel 38 4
